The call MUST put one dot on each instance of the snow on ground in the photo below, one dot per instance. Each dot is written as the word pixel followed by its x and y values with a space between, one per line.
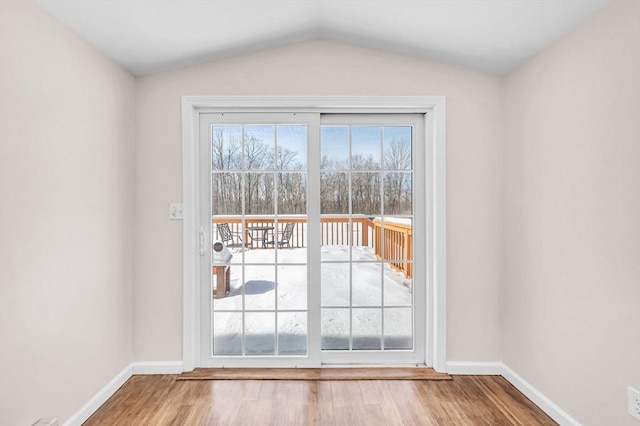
pixel 371 282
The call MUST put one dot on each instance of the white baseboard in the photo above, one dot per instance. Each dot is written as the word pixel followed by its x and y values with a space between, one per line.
pixel 475 368
pixel 500 369
pixel 167 367
pixel 99 398
pixel 545 404
pixel 157 367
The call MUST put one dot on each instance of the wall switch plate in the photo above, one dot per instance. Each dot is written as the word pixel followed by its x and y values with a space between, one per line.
pixel 175 211
pixel 634 402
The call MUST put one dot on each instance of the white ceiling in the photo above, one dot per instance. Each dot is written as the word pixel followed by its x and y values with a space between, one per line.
pixel 147 36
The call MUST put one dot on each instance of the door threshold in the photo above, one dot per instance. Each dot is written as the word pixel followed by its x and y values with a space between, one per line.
pixel 342 373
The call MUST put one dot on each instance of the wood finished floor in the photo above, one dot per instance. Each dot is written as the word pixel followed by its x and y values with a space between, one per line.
pixel 465 400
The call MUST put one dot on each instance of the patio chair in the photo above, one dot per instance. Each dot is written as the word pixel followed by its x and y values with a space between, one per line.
pixel 224 231
pixel 285 239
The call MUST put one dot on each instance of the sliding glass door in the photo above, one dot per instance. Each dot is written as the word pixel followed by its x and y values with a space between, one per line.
pixel 254 204
pixel 368 210
pixel 309 222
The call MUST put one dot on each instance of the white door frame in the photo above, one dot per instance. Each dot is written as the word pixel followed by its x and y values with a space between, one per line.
pixel 434 109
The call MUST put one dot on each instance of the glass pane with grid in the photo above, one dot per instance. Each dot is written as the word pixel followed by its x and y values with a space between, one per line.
pixel 366 183
pixel 258 203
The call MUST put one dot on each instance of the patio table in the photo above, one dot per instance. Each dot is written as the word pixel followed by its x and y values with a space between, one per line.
pixel 254 233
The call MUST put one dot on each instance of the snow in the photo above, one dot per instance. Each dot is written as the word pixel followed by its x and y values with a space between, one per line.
pixel 398 220
pixel 372 282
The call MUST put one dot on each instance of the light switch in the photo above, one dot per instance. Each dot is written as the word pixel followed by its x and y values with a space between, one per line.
pixel 175 211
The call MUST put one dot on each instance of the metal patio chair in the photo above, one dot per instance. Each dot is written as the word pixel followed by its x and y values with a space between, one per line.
pixel 285 236
pixel 226 235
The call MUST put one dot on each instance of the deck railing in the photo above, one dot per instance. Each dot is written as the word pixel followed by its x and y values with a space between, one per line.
pixel 395 244
pixel 389 242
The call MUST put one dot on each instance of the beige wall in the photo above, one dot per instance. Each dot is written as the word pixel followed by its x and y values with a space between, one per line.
pixel 66 219
pixel 571 297
pixel 474 176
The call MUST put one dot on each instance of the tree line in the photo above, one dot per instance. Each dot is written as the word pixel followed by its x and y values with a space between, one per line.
pixel 371 188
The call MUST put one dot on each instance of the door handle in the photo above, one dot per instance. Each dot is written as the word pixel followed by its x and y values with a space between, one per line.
pixel 203 241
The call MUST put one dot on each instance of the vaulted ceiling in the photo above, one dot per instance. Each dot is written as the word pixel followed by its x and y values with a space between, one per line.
pixel 147 36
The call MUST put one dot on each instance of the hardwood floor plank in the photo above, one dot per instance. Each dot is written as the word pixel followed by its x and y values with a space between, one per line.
pixel 164 400
pixel 411 407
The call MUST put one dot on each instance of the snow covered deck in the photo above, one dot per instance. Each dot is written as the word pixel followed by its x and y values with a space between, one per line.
pixel 391 238
pixel 378 303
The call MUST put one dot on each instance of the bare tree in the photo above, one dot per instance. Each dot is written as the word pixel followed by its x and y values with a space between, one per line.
pixel 334 188
pixel 292 193
pixel 397 184
pixel 286 159
pixel 225 156
pixel 256 157
pixel 226 187
pixel 365 186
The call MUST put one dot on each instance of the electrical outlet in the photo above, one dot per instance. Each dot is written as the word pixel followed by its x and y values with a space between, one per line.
pixel 634 403
pixel 175 211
